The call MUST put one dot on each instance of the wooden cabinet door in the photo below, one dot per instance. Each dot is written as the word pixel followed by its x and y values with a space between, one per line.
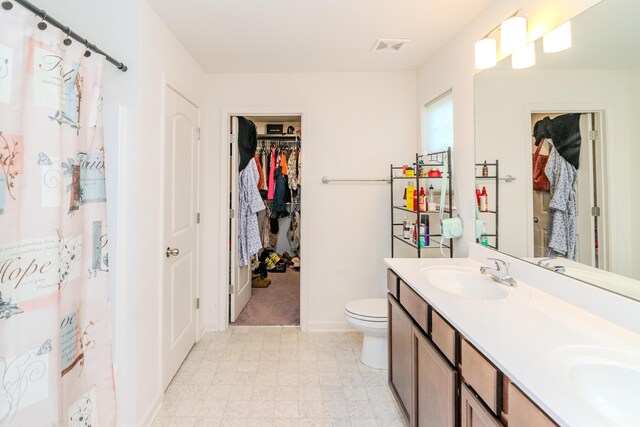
pixel 473 413
pixel 523 412
pixel 435 393
pixel 401 357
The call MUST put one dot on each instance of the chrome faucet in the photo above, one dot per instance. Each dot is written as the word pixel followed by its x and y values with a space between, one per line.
pixel 501 273
pixel 546 263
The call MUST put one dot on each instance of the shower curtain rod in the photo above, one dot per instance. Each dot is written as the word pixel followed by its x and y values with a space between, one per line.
pixel 65 29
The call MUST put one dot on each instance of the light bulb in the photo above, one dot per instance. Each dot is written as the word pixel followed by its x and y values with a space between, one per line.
pixel 558 39
pixel 486 55
pixel 513 34
pixel 524 57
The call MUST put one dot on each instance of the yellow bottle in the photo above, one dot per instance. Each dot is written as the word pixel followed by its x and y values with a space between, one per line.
pixel 410 192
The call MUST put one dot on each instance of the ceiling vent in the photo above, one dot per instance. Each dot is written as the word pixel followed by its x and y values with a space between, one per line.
pixel 389 45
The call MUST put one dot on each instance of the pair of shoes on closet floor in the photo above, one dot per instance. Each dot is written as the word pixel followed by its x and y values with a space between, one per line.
pixel 259 282
pixel 296 263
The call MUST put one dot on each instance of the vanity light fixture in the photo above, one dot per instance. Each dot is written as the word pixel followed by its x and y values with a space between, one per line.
pixel 558 39
pixel 524 57
pixel 486 53
pixel 513 34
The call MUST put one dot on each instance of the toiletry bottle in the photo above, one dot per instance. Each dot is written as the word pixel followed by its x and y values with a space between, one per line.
pixel 478 197
pixel 432 200
pixel 404 198
pixel 422 201
pixel 485 169
pixel 484 239
pixel 484 200
pixel 410 191
pixel 414 231
pixel 416 199
pixel 406 229
pixel 422 236
pixel 426 230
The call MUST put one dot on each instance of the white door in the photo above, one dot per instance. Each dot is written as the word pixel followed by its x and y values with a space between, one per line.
pixel 240 276
pixel 585 196
pixel 180 234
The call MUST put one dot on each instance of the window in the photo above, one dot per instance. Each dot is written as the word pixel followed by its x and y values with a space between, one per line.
pixel 438 124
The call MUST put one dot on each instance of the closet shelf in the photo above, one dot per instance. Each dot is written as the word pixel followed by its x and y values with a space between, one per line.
pixel 491 212
pixel 486 177
pixel 416 177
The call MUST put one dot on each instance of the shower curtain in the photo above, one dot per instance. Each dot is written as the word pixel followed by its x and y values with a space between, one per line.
pixel 55 352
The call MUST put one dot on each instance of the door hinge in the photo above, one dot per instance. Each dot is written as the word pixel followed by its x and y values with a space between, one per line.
pixel 595 211
pixel 197 133
pixel 594 135
pixel 230 289
pixel 197 303
pixel 198 218
pixel 231 213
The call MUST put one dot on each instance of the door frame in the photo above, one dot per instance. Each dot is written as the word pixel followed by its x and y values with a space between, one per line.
pixel 605 122
pixel 161 256
pixel 223 246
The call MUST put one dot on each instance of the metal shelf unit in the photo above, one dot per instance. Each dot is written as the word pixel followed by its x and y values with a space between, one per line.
pixel 428 160
pixel 493 178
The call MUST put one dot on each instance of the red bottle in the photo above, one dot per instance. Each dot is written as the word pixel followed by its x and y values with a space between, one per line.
pixel 478 197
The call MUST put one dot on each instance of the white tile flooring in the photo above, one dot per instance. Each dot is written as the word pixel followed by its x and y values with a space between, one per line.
pixel 272 376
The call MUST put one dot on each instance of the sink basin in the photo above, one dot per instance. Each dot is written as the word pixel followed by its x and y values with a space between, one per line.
pixel 607 379
pixel 464 282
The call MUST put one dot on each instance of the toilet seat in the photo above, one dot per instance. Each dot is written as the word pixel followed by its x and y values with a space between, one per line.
pixel 372 310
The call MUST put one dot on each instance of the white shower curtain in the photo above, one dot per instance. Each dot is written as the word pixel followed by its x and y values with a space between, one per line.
pixel 55 353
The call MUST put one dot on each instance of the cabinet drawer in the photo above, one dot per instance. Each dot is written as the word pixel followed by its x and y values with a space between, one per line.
pixel 523 412
pixel 481 375
pixel 415 306
pixel 443 336
pixel 392 283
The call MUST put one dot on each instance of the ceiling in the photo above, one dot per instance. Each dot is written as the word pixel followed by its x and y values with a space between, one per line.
pixel 249 36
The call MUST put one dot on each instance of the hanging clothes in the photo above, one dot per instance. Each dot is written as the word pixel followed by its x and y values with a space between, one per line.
pixel 264 179
pixel 563 222
pixel 283 163
pixel 251 203
pixel 247 141
pixel 279 199
pixel 293 170
pixel 293 233
pixel 272 171
pixel 260 176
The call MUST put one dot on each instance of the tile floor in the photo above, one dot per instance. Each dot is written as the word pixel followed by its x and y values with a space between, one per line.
pixel 278 376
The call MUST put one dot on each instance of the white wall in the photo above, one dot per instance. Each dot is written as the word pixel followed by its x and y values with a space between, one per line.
pixel 355 125
pixel 163 61
pixel 453 68
pixel 503 119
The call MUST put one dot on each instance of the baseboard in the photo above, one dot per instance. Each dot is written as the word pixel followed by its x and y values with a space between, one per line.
pixel 208 327
pixel 152 412
pixel 330 327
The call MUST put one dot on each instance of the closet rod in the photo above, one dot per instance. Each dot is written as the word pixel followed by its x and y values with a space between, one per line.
pixel 327 180
pixel 65 29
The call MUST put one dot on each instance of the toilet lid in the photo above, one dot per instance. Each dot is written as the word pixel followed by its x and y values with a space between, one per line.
pixel 371 308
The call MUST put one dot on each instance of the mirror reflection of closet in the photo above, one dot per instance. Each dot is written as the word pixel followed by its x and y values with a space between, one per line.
pixel 598 77
pixel 591 224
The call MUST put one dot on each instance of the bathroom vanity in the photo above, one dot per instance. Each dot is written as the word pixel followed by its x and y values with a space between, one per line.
pixel 466 350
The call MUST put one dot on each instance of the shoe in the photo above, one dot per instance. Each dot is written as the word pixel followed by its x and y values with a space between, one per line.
pixel 296 263
pixel 259 282
pixel 286 256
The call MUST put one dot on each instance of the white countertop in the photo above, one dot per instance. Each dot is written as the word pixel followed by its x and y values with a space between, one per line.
pixel 534 338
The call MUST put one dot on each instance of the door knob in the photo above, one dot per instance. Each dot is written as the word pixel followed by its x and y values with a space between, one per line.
pixel 535 219
pixel 174 252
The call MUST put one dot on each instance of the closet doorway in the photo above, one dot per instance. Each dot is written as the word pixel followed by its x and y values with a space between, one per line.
pixel 590 177
pixel 264 225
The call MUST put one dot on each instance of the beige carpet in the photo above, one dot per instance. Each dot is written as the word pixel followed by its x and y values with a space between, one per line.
pixel 277 305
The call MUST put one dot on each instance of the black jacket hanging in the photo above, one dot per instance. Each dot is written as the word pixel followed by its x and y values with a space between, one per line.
pixel 564 131
pixel 247 141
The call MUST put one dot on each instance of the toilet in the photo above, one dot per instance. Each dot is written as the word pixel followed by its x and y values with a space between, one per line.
pixel 369 316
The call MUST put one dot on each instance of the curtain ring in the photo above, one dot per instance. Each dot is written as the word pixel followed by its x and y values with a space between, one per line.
pixel 67 41
pixel 42 25
pixel 87 53
pixel 7 5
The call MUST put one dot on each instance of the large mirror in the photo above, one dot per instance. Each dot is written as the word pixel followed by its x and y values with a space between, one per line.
pixel 576 113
